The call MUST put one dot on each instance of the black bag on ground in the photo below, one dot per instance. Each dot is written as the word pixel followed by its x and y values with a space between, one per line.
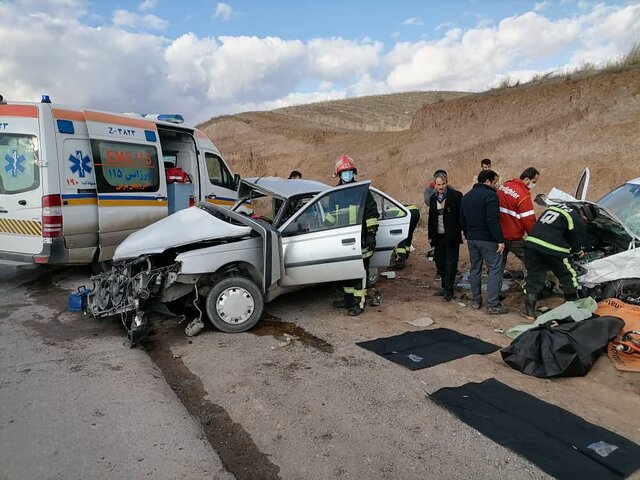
pixel 561 348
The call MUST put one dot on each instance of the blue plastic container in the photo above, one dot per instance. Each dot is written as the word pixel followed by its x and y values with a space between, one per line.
pixel 78 299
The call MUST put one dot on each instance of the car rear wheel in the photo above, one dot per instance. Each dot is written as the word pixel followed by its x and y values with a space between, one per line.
pixel 627 290
pixel 235 304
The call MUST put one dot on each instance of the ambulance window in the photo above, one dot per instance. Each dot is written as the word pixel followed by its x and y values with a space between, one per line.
pixel 19 170
pixel 218 173
pixel 125 167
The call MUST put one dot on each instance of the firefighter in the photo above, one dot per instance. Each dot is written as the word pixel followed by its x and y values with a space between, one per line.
pixel 556 236
pixel 355 295
pixel 517 216
pixel 401 252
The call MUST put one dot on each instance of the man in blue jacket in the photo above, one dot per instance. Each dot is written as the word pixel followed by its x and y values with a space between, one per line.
pixel 480 221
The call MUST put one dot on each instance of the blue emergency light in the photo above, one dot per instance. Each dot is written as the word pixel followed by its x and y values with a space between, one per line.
pixel 170 117
pixel 45 99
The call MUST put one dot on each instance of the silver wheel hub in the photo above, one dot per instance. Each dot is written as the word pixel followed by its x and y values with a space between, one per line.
pixel 235 305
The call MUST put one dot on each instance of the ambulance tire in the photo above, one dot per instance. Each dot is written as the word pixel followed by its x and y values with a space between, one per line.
pixel 627 290
pixel 235 304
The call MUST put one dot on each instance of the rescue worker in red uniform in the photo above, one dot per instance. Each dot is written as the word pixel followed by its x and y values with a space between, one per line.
pixel 517 216
pixel 558 235
pixel 355 295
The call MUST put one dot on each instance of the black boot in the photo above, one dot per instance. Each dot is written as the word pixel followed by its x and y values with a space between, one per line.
pixel 530 306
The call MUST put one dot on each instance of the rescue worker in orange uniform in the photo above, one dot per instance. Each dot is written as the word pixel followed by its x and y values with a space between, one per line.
pixel 355 295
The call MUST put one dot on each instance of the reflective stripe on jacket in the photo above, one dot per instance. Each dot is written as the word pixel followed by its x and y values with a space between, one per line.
pixel 559 231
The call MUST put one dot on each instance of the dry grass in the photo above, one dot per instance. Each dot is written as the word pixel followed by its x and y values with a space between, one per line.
pixel 629 60
pixel 376 113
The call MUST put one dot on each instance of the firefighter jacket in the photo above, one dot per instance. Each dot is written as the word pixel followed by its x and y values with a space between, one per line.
pixel 516 210
pixel 369 225
pixel 559 231
pixel 338 215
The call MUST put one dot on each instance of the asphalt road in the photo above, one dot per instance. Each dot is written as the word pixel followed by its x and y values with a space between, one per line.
pixel 76 402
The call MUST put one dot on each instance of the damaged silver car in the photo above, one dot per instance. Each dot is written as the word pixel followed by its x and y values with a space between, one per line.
pixel 228 263
pixel 611 264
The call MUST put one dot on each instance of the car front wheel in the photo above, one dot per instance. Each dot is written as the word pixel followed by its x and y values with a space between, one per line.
pixel 235 304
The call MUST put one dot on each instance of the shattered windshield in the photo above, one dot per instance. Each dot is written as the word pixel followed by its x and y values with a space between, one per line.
pixel 624 202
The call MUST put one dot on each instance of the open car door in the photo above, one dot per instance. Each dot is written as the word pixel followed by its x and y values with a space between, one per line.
pixel 130 181
pixel 393 228
pixel 583 184
pixel 322 241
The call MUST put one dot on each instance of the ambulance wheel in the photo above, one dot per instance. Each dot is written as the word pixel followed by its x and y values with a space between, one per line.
pixel 235 304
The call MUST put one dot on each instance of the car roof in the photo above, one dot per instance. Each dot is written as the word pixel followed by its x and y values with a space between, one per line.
pixel 286 188
pixel 635 181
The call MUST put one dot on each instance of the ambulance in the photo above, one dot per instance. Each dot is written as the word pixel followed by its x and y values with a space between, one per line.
pixel 74 183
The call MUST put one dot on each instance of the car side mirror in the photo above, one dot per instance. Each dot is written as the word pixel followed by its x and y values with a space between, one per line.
pixel 236 181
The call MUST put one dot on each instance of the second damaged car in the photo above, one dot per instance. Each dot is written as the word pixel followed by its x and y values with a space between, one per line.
pixel 227 263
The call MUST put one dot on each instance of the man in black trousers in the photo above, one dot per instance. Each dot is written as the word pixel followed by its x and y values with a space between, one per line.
pixel 445 232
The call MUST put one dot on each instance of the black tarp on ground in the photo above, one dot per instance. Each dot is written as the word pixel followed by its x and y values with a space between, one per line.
pixel 426 348
pixel 562 349
pixel 558 442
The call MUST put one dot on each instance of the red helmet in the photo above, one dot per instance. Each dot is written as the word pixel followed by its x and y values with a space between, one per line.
pixel 345 162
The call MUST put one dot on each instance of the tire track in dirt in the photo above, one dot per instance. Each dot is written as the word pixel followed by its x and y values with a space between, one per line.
pixel 237 450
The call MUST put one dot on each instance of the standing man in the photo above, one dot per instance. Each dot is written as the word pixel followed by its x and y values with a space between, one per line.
pixel 555 237
pixel 481 226
pixel 517 216
pixel 445 232
pixel 428 192
pixel 355 295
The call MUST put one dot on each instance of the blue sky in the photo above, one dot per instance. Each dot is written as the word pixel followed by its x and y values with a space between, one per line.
pixel 207 58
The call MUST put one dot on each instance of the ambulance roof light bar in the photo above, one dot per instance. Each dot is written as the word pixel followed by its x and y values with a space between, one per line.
pixel 166 117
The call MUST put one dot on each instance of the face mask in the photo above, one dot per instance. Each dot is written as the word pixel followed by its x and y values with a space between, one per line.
pixel 346 176
pixel 532 185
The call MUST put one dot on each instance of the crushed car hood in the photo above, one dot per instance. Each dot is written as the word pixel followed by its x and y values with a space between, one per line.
pixel 182 228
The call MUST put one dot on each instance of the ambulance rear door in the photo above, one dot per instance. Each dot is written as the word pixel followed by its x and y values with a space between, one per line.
pixel 21 183
pixel 130 181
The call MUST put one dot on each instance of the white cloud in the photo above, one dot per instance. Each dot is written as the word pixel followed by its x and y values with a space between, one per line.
pixel 147 5
pixel 224 11
pixel 445 26
pixel 125 18
pixel 413 21
pixel 541 6
pixel 59 47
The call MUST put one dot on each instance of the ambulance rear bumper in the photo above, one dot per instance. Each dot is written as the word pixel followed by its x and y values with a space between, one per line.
pixel 54 253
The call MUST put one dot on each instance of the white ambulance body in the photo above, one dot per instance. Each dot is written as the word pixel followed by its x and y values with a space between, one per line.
pixel 74 183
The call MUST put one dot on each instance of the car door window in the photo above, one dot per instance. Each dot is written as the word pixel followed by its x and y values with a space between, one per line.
pixel 387 208
pixel 335 209
pixel 218 173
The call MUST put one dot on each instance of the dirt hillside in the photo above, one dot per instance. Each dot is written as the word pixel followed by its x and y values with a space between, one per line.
pixel 559 126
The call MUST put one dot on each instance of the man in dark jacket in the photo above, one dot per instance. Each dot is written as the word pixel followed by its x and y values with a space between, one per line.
pixel 445 233
pixel 480 222
pixel 558 234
